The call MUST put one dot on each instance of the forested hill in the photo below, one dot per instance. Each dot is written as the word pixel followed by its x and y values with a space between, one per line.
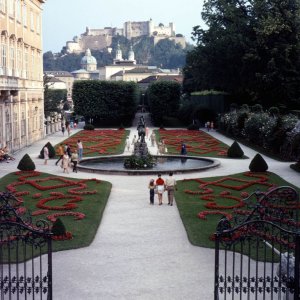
pixel 165 54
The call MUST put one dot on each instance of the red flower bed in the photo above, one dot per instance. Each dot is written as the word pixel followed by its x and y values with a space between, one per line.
pixel 75 194
pixel 97 142
pixel 197 142
pixel 206 192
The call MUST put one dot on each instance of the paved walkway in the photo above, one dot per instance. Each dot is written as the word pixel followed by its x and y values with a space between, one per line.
pixel 140 251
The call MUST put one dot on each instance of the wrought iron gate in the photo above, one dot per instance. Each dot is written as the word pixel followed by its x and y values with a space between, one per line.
pixel 256 253
pixel 26 273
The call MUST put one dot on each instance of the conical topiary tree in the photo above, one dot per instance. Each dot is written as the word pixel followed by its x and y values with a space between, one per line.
pixel 235 151
pixel 51 151
pixel 58 228
pixel 258 164
pixel 26 164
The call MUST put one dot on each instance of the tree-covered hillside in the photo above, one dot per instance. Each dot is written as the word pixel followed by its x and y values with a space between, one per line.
pixel 165 54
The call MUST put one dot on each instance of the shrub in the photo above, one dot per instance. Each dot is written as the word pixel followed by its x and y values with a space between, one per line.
pixel 257 108
pixel 58 228
pixel 89 127
pixel 193 127
pixel 26 164
pixel 254 125
pixel 258 164
pixel 296 166
pixel 51 151
pixel 235 151
pixel 274 111
pixel 134 162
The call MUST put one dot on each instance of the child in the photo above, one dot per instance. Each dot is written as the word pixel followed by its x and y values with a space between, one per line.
pixel 151 187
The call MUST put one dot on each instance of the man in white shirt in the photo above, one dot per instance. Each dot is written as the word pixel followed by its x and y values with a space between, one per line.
pixel 170 186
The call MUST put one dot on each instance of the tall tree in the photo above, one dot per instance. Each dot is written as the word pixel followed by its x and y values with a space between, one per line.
pixel 250 49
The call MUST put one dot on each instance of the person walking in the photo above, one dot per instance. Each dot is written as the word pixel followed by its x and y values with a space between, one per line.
pixel 151 187
pixel 170 187
pixel 60 152
pixel 74 160
pixel 46 155
pixel 69 130
pixel 79 150
pixel 68 150
pixel 65 162
pixel 63 129
pixel 128 143
pixel 160 185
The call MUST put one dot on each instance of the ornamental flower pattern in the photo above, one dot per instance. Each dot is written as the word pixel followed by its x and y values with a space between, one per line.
pixel 97 142
pixel 205 192
pixel 77 190
pixel 197 142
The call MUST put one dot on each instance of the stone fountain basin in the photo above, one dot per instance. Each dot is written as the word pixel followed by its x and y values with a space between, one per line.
pixel 165 164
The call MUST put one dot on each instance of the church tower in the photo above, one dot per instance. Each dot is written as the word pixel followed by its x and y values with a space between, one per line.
pixel 131 56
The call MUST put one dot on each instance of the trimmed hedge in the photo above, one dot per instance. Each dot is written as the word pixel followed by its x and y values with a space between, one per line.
pixel 258 164
pixel 235 151
pixel 58 228
pixel 26 164
pixel 104 102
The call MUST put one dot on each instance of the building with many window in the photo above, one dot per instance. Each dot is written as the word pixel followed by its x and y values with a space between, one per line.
pixel 21 73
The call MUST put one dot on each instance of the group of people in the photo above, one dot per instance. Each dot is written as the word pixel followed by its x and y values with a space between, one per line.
pixel 68 157
pixel 4 156
pixel 209 125
pixel 159 186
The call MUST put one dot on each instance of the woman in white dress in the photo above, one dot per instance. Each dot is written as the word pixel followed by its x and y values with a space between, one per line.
pixel 65 162
pixel 46 155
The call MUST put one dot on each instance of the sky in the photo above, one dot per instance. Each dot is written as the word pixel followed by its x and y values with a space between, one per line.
pixel 64 19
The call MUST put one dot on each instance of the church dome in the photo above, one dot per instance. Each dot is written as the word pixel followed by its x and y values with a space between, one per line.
pixel 89 62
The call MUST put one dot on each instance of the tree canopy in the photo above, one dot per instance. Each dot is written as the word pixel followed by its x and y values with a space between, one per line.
pixel 250 49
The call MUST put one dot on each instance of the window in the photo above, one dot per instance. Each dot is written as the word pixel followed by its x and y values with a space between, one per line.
pixel 19 59
pixel 3 56
pixel 18 10
pixel 11 8
pixel 32 64
pixel 38 24
pixel 12 56
pixel 31 20
pixel 26 61
pixel 3 5
pixel 25 15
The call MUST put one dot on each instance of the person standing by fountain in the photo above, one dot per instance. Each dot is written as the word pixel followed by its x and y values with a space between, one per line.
pixel 160 184
pixel 151 187
pixel 79 150
pixel 183 149
pixel 128 143
pixel 170 187
pixel 46 155
pixel 152 138
pixel 65 162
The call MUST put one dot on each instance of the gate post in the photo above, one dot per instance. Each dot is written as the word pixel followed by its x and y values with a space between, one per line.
pixel 217 250
pixel 50 289
pixel 297 261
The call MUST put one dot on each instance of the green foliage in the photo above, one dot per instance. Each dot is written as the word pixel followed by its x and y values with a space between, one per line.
pixel 235 151
pixel 52 97
pixel 258 164
pixel 253 126
pixel 51 151
pixel 257 108
pixel 208 92
pixel 88 127
pixel 58 228
pixel 107 103
pixel 249 49
pixel 135 163
pixel 193 127
pixel 164 98
pixel 274 111
pixel 26 164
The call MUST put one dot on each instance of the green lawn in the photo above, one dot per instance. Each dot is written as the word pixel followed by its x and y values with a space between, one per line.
pixel 91 205
pixel 194 195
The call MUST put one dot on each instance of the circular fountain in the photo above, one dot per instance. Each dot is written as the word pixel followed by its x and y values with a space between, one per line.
pixel 161 163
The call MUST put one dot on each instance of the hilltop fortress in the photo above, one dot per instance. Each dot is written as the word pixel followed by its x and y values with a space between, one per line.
pixel 98 39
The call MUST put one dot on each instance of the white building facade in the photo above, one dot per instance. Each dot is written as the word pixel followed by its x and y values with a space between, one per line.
pixel 21 73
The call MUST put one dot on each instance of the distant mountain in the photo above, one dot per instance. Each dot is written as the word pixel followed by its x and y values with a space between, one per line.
pixel 165 54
